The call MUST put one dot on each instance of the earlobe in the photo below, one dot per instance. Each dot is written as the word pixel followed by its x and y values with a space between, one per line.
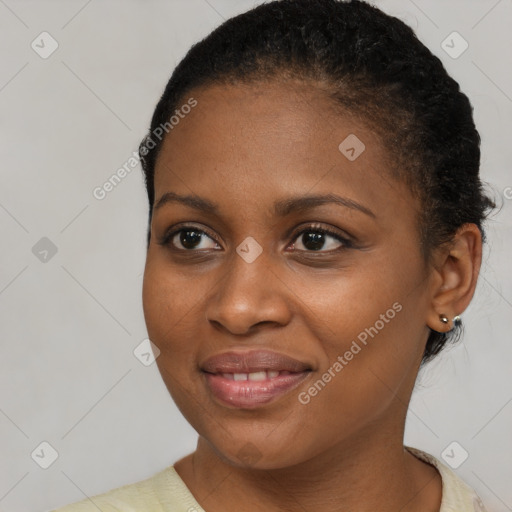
pixel 457 271
pixel 456 321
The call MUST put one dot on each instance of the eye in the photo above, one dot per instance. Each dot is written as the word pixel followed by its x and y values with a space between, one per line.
pixel 189 238
pixel 315 238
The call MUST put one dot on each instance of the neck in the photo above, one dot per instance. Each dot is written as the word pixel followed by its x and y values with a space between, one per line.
pixel 369 472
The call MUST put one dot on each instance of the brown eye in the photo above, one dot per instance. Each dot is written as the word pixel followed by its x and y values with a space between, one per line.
pixel 189 238
pixel 319 239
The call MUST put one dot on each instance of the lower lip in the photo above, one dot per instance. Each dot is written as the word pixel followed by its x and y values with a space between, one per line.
pixel 250 394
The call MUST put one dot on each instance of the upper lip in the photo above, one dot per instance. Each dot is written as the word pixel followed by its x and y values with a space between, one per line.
pixel 252 361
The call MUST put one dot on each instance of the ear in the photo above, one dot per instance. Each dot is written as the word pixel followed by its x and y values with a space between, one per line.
pixel 455 277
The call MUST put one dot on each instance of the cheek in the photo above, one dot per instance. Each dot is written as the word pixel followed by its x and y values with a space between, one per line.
pixel 355 303
pixel 370 332
pixel 361 385
pixel 170 305
pixel 166 295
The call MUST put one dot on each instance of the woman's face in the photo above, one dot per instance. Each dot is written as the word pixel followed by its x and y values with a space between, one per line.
pixel 341 316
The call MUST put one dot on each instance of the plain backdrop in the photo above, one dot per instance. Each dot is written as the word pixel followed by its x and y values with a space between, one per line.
pixel 71 265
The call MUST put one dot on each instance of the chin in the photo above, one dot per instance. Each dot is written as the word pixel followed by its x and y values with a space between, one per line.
pixel 258 452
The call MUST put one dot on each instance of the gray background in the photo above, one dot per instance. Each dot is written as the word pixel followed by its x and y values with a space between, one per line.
pixel 70 324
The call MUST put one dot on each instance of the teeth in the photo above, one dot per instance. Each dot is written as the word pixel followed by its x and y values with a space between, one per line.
pixel 258 375
pixel 255 376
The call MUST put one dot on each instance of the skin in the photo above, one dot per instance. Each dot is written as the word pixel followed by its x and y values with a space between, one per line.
pixel 245 147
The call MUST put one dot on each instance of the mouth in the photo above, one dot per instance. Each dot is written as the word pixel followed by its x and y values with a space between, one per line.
pixel 256 376
pixel 252 379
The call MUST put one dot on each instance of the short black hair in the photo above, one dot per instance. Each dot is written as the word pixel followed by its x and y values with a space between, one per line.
pixel 371 64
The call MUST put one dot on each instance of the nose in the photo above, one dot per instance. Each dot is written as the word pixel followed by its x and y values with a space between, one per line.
pixel 249 295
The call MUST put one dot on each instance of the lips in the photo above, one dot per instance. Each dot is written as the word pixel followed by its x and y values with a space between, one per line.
pixel 251 379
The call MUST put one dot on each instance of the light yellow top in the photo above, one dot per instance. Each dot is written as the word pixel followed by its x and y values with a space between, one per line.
pixel 166 492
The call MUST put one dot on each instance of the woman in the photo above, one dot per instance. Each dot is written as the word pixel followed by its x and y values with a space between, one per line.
pixel 315 233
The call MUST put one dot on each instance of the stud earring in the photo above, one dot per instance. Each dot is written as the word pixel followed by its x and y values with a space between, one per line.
pixel 456 321
pixel 443 319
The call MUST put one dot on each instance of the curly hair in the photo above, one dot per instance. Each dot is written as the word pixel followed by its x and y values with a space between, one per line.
pixel 370 64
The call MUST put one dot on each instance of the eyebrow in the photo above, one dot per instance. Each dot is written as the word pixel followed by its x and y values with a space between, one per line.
pixel 281 208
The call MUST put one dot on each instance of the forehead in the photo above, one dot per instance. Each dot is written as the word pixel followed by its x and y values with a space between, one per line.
pixel 253 142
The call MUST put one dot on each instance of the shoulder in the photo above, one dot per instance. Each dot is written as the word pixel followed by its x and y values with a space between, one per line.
pixel 457 495
pixel 162 492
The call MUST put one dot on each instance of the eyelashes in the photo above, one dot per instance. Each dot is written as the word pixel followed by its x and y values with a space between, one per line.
pixel 325 233
pixel 317 234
